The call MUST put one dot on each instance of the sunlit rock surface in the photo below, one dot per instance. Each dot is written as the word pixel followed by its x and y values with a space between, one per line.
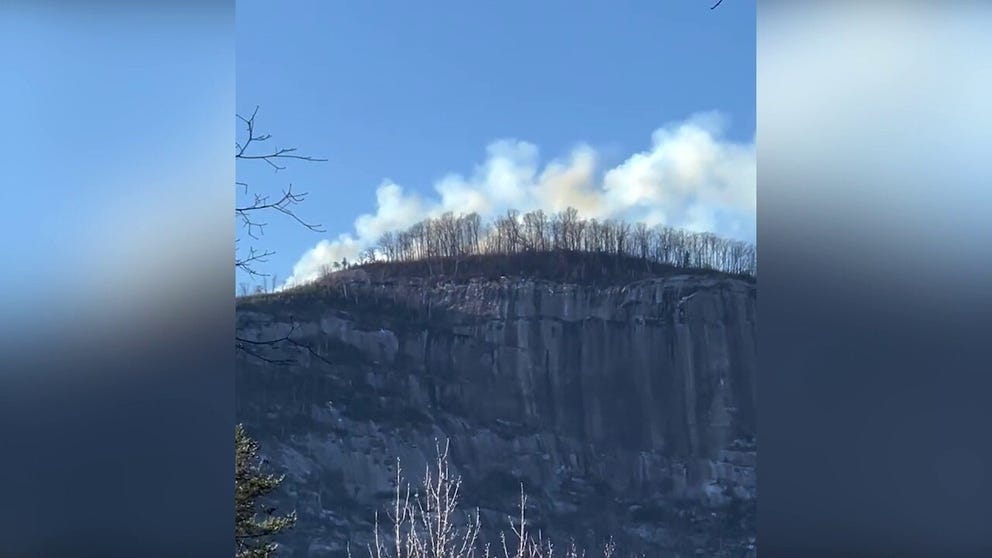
pixel 624 410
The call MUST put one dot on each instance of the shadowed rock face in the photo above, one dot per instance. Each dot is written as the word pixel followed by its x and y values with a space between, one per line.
pixel 624 411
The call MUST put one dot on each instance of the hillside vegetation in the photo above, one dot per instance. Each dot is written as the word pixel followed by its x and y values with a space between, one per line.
pixel 559 247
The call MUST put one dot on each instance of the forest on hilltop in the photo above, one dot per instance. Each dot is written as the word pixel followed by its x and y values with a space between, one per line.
pixel 557 246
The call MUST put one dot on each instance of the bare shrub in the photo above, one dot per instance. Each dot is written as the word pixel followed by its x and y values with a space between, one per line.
pixel 426 523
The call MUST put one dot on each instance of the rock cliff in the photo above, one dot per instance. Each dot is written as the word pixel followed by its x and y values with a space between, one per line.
pixel 625 410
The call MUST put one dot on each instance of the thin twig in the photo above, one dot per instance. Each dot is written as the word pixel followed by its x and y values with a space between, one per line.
pixel 243 344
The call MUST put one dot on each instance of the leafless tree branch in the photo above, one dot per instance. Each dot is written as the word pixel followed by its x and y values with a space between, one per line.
pixel 254 226
pixel 269 157
pixel 262 203
pixel 283 205
pixel 246 264
pixel 249 347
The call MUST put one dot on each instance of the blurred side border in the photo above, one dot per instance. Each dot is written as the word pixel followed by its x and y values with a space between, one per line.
pixel 117 389
pixel 874 245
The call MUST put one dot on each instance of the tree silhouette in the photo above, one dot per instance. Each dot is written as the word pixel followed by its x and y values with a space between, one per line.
pixel 255 523
pixel 452 237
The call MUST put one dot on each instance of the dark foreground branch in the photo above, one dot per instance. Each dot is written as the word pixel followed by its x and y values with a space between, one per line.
pixel 249 215
pixel 250 347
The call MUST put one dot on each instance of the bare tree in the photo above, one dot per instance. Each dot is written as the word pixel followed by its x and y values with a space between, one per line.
pixel 251 216
pixel 429 524
pixel 424 524
pixel 369 255
pixel 451 237
pixel 252 213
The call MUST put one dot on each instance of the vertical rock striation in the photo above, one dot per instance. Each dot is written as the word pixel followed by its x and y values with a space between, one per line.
pixel 626 411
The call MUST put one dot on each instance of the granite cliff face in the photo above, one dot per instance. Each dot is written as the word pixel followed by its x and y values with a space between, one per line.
pixel 626 410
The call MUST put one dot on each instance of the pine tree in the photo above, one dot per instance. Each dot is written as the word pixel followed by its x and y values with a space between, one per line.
pixel 254 525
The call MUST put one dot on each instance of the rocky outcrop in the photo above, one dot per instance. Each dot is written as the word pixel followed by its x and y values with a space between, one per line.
pixel 624 411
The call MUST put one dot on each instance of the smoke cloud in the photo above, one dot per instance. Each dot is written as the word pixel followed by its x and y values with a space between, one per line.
pixel 691 177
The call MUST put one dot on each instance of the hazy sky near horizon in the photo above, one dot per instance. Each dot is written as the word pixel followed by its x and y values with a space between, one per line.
pixel 643 110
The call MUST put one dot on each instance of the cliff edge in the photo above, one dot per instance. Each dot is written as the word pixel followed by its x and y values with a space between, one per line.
pixel 625 410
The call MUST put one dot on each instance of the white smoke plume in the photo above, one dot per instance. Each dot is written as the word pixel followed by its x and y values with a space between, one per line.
pixel 691 177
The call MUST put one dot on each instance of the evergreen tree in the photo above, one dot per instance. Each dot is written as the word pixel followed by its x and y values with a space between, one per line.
pixel 254 524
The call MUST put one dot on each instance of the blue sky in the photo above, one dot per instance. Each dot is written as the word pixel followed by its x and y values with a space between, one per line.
pixel 411 93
